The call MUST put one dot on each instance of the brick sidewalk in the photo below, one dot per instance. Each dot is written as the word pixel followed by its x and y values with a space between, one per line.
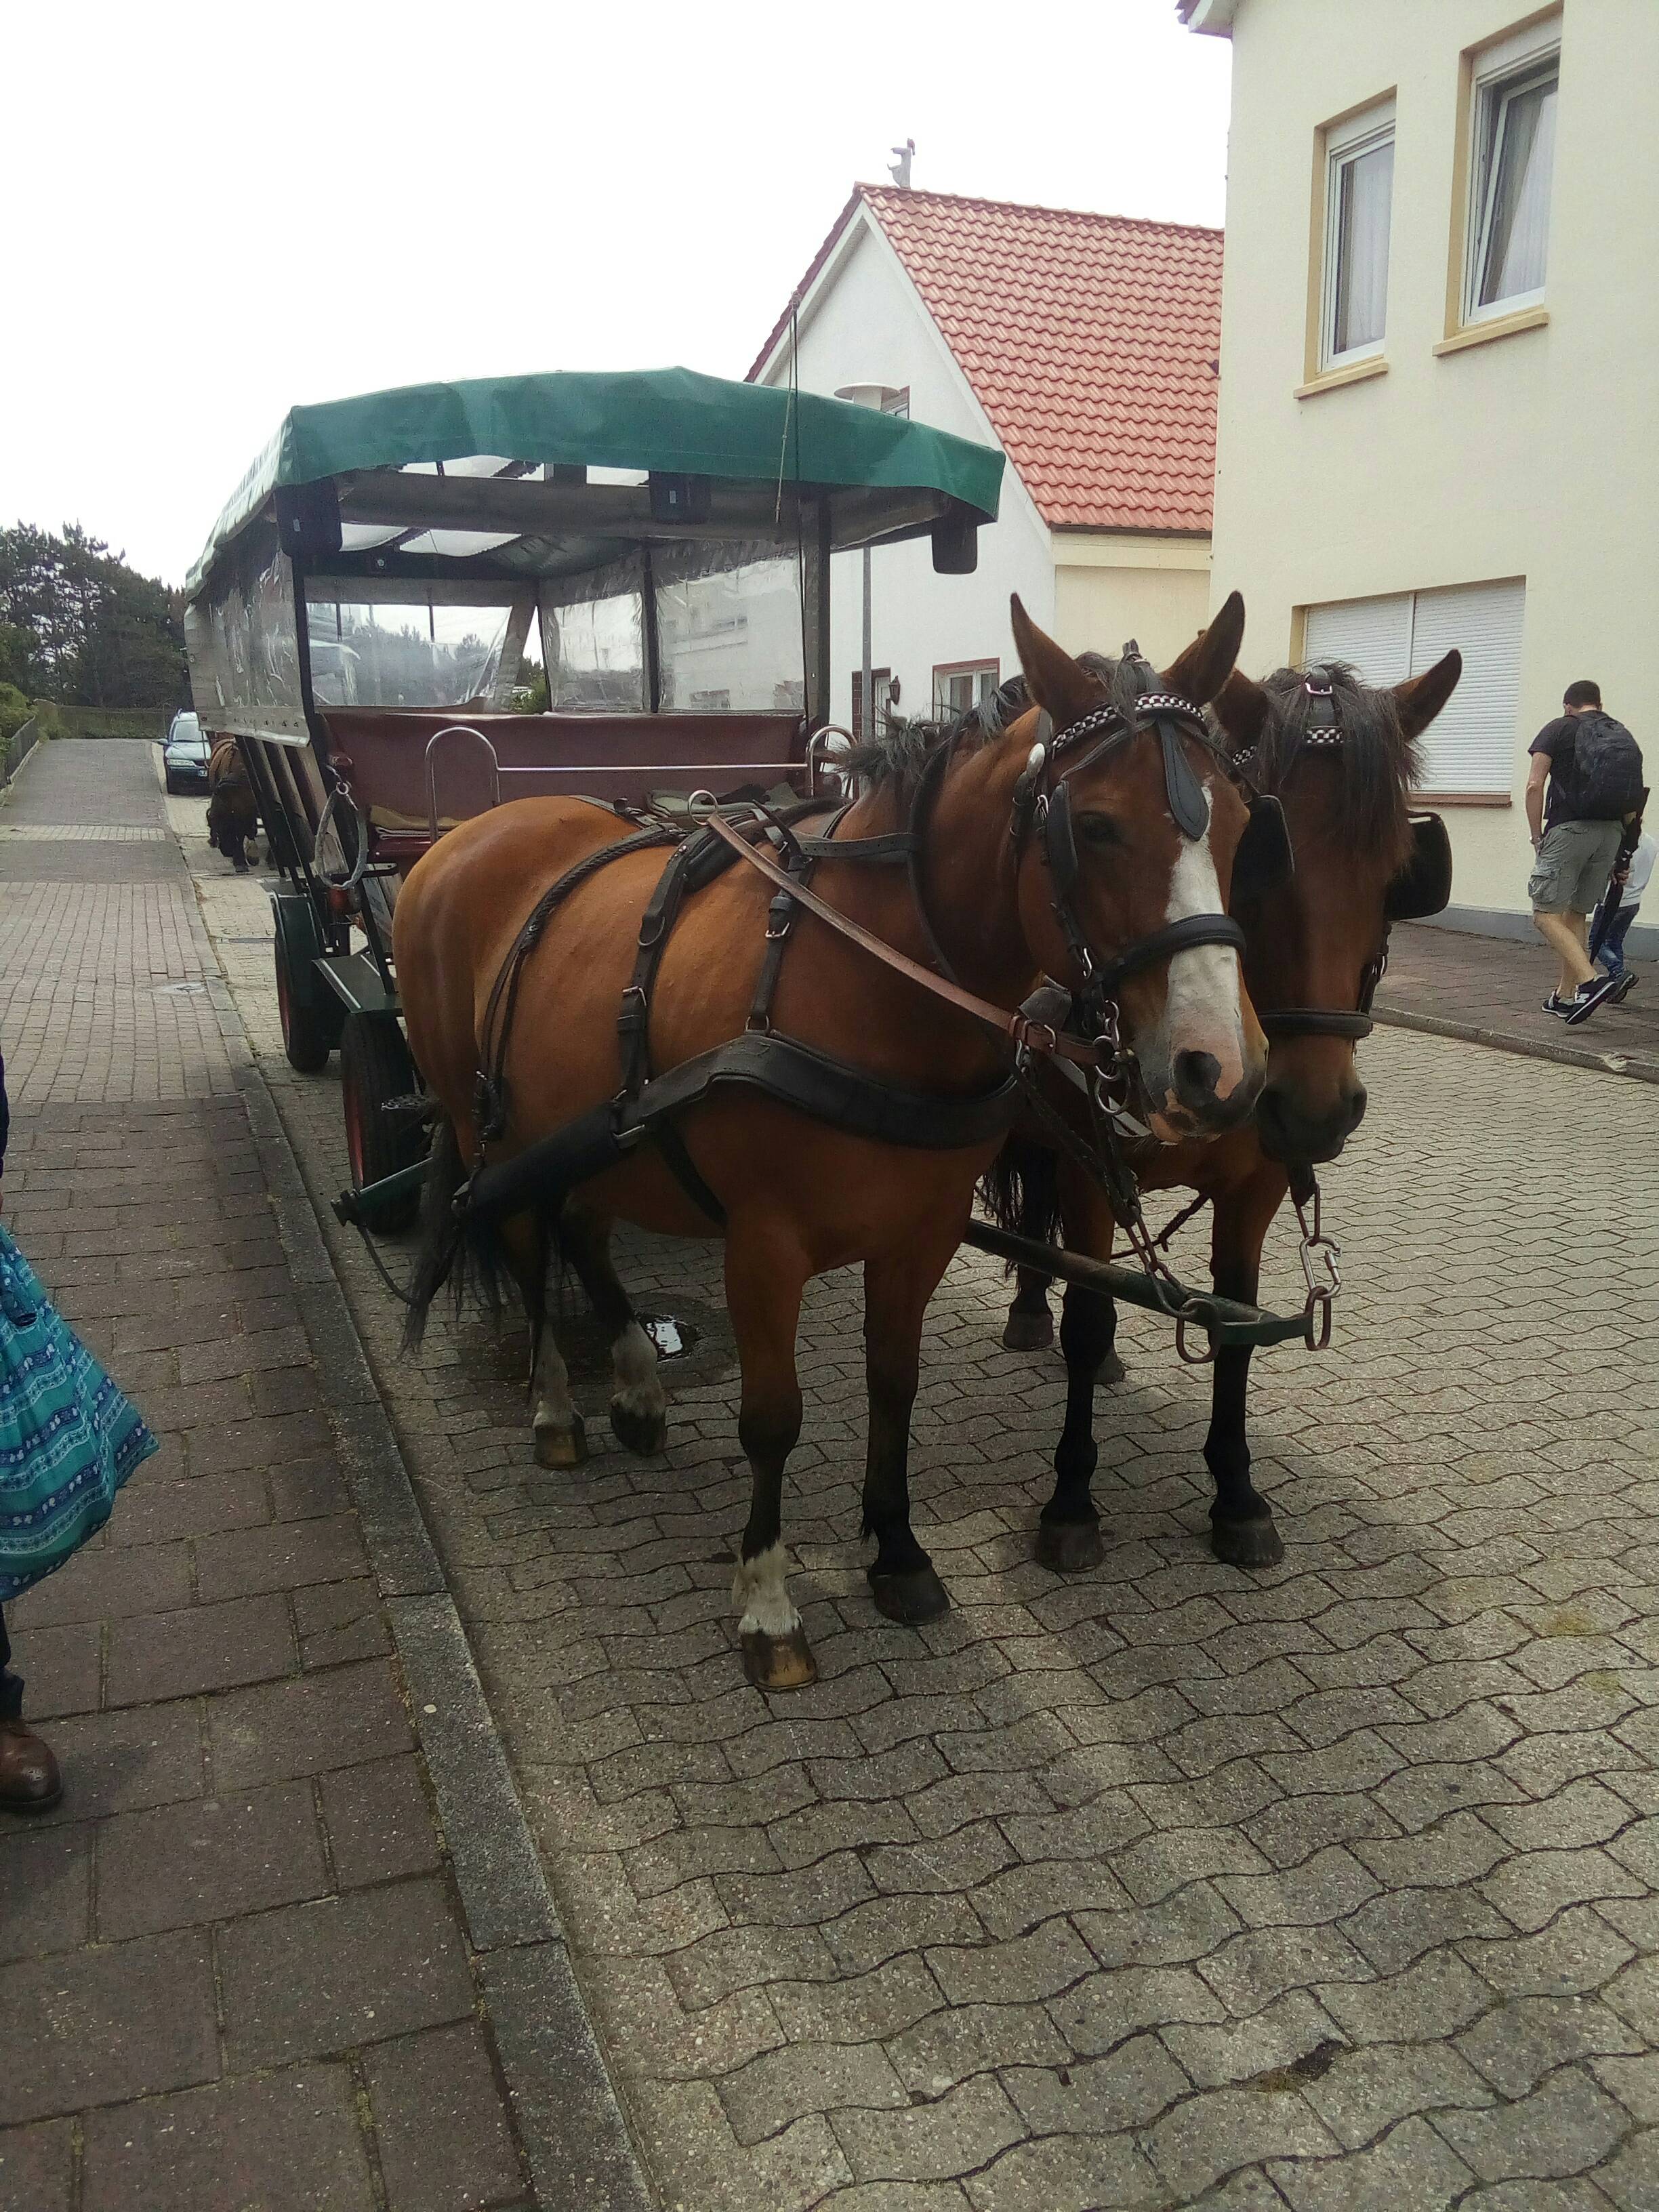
pixel 258 1957
pixel 1491 990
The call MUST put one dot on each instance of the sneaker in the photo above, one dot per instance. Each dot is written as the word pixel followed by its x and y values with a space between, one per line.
pixel 1587 998
pixel 1555 1004
pixel 1625 983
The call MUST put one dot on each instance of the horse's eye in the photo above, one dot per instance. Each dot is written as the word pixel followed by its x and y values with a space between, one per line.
pixel 1099 830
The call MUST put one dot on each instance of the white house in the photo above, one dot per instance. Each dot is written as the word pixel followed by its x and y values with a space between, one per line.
pixel 1441 370
pixel 1085 346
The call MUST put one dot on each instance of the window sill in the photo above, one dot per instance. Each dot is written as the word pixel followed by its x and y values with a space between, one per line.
pixel 1500 326
pixel 1461 798
pixel 1333 380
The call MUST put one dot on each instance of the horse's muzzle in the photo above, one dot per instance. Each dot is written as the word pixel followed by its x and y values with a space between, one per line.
pixel 1288 1133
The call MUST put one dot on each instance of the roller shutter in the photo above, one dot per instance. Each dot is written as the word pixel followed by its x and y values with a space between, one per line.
pixel 1471 746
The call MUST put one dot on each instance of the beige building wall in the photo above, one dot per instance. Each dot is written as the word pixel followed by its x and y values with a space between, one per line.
pixel 1109 588
pixel 1532 453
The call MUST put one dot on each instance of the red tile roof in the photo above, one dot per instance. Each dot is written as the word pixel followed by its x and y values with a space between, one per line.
pixel 1091 341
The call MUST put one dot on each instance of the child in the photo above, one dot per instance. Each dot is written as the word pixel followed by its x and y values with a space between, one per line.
pixel 1633 883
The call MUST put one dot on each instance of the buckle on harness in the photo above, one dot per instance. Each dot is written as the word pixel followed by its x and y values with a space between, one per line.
pixel 631 1015
pixel 780 918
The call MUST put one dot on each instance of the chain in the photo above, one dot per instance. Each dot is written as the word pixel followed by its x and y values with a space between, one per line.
pixel 1319 1254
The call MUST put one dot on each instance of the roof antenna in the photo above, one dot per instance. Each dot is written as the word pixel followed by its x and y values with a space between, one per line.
pixel 899 171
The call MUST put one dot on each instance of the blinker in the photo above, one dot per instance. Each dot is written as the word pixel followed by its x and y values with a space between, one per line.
pixel 1424 885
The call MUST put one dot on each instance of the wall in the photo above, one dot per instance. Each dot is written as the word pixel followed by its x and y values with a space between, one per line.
pixel 871 327
pixel 1109 589
pixel 1532 454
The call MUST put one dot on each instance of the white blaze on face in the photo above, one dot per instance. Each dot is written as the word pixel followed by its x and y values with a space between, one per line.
pixel 1203 1010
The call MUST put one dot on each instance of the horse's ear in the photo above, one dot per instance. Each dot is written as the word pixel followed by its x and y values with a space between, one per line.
pixel 1420 698
pixel 1241 708
pixel 1206 665
pixel 1056 681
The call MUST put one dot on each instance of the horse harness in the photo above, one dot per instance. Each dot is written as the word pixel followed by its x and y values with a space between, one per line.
pixel 1322 732
pixel 770 841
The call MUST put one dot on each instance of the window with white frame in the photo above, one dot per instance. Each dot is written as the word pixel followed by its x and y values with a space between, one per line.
pixel 1358 203
pixel 1470 749
pixel 1511 158
pixel 960 684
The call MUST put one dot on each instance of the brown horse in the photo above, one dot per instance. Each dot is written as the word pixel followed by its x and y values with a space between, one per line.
pixel 1342 767
pixel 232 815
pixel 801 1196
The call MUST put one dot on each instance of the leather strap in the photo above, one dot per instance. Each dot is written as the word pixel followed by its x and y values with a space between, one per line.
pixel 1192 929
pixel 1037 1036
pixel 1288 1022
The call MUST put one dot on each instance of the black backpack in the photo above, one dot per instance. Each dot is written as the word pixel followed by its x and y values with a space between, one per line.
pixel 1606 769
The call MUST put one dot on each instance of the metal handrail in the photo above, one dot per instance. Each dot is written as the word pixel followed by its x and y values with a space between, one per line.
pixel 497 773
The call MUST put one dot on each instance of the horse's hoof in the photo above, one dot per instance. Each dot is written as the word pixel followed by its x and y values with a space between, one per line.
pixel 913 1598
pixel 1029 1332
pixel 779 1662
pixel 1069 1547
pixel 1247 1543
pixel 1112 1370
pixel 562 1447
pixel 644 1433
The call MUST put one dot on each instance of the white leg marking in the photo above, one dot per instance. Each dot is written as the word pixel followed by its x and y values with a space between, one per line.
pixel 761 1588
pixel 553 1405
pixel 633 1361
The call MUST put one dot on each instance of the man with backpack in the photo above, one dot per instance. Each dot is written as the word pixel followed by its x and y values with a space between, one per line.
pixel 1592 768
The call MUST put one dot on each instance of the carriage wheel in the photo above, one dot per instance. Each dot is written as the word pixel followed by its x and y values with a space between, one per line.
pixel 374 1067
pixel 307 1034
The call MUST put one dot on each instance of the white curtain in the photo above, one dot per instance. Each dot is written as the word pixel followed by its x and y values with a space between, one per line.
pixel 1518 218
pixel 1362 248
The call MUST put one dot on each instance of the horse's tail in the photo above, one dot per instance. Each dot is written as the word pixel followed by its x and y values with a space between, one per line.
pixel 1021 1190
pixel 454 1249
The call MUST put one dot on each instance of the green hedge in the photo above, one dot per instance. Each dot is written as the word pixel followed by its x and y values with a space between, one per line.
pixel 111 721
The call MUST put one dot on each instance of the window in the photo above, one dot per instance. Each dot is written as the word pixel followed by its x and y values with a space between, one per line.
pixel 960 684
pixel 1470 749
pixel 881 685
pixel 1359 198
pixel 1511 156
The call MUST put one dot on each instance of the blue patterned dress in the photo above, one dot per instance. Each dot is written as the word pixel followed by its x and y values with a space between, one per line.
pixel 68 1437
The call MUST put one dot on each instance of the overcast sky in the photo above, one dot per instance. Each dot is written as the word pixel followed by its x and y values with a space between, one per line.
pixel 215 212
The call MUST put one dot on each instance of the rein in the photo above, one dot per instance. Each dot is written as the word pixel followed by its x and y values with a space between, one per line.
pixel 1035 1037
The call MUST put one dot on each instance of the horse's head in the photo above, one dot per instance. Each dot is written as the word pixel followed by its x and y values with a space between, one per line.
pixel 1340 758
pixel 1126 826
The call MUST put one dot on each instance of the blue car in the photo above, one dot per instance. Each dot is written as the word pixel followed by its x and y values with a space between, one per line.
pixel 185 756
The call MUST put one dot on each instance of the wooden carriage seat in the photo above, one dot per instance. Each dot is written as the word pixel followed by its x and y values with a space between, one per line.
pixel 599 756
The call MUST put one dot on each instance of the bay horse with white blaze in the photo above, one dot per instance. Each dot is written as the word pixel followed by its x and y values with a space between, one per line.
pixel 958 895
pixel 1340 757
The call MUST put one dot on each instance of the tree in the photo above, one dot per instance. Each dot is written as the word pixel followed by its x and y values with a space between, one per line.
pixel 79 626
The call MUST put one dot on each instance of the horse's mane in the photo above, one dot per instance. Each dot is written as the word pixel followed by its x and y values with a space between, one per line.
pixel 898 752
pixel 1380 765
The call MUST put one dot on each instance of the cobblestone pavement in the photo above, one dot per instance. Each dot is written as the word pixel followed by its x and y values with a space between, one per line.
pixel 236 1973
pixel 1336 1885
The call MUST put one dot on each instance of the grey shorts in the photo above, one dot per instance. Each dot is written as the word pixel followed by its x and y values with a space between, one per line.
pixel 1570 872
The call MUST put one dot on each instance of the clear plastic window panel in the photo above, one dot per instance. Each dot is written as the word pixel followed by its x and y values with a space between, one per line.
pixel 374 644
pixel 729 635
pixel 251 659
pixel 593 641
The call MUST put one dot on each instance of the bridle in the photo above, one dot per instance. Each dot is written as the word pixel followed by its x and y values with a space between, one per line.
pixel 1323 732
pixel 1043 803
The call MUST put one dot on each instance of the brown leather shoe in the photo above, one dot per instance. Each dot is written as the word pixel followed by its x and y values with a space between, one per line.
pixel 29 1779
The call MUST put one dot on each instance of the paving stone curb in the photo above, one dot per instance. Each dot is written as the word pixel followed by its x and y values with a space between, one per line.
pixel 1564 1056
pixel 569 2116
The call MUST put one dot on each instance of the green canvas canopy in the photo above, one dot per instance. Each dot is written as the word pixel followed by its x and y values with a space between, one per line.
pixel 671 421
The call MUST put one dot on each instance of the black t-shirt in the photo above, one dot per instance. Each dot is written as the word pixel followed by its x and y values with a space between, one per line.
pixel 1555 742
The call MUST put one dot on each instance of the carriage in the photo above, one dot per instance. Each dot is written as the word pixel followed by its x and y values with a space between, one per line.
pixel 421 602
pixel 642 561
